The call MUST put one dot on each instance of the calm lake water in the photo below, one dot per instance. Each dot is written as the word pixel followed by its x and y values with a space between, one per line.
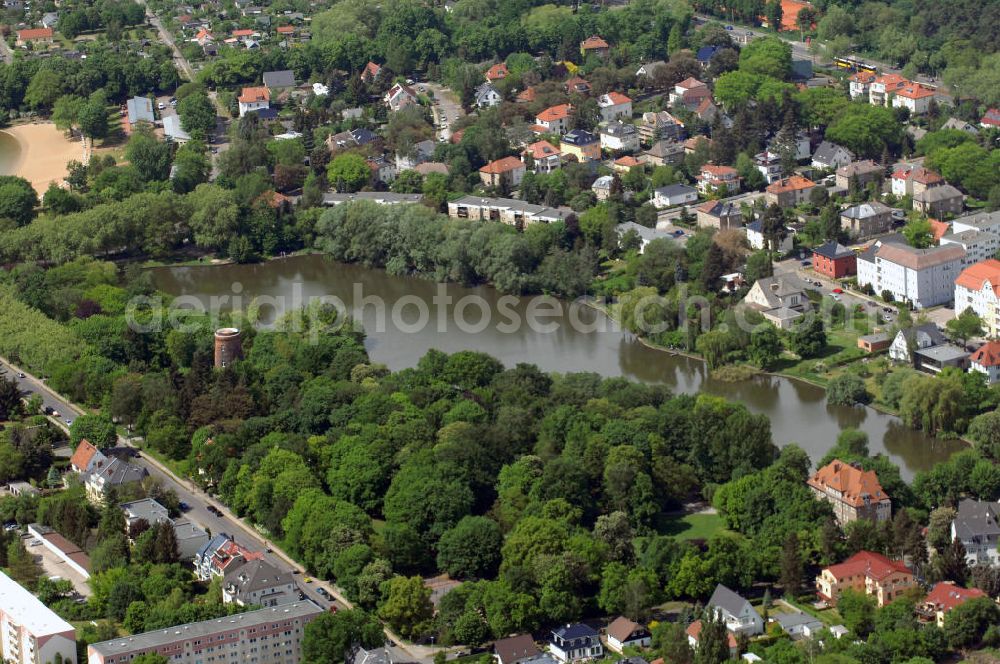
pixel 798 411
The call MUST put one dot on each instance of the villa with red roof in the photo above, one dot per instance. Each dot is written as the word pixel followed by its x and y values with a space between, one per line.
pixel 914 97
pixel 370 72
pixel 867 572
pixel 555 119
pixel 594 45
pixel 713 178
pixel 577 85
pixel 884 87
pixel 991 119
pixel 978 288
pixel 254 99
pixel 909 180
pixel 944 597
pixel 860 84
pixel 34 36
pixel 545 156
pixel 986 360
pixel 854 493
pixel 242 33
pixel 689 93
pixel 497 72
pixel 507 171
pixel 86 457
pixel 615 106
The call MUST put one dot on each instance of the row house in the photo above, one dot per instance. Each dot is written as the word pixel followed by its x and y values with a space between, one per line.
pixel 854 493
pixel 979 245
pixel 867 572
pixel 506 210
pixel 921 277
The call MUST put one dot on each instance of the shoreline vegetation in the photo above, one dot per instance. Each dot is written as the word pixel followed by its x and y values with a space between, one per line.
pixel 44 152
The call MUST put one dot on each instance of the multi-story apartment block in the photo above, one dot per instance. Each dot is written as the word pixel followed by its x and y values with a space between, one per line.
pixel 30 632
pixel 853 493
pixel 506 210
pixel 867 572
pixel 268 636
pixel 923 277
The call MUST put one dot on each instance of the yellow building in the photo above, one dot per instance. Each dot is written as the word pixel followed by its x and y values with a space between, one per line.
pixel 867 572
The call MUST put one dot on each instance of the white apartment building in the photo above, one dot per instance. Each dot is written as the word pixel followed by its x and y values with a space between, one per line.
pixel 30 632
pixel 978 288
pixel 923 277
pixel 978 245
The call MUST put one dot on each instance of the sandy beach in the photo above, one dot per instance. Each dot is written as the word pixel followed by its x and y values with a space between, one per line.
pixel 44 152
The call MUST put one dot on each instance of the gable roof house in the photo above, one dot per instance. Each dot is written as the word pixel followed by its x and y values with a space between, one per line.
pixel 911 179
pixel 138 109
pixel 986 360
pixel 575 642
pixel 515 649
pixel 507 171
pixel 944 597
pixel 34 36
pixel 740 617
pixel 594 45
pixel 577 85
pixel 399 97
pixel 799 625
pixel 780 299
pixel 258 582
pixel 487 96
pixel 370 72
pixel 623 633
pixel 990 119
pixel 721 215
pixel 930 350
pixel 940 201
pixel 960 125
pixel 497 72
pixel 254 99
pixel 417 154
pixel 648 69
pixel 977 526
pixel 279 80
pixel 853 493
pixel 689 93
pixel 115 474
pixel 693 632
pixel 866 220
pixel 86 457
pixel 871 573
pixel 831 155
pixel 614 106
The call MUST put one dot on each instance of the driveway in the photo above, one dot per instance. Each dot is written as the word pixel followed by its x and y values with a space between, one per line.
pixel 445 107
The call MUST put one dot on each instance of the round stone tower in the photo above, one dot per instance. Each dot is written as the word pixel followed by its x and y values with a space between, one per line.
pixel 227 346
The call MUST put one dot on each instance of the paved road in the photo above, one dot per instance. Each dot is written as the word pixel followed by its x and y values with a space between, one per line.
pixel 446 108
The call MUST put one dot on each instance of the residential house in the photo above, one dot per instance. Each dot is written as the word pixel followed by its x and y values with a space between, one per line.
pixel 399 97
pixel 874 343
pixel 277 633
pixel 648 69
pixel 515 649
pixel 575 642
pixel 789 192
pixel 506 210
pixel 884 87
pixel 854 493
pixel 418 153
pixel 977 526
pixel 663 153
pixel 689 93
pixel 866 220
pixel 190 538
pixel 944 597
pixel 545 156
pixel 87 458
pixel 910 179
pixel 31 632
pixel 799 625
pixel 860 84
pixel 740 617
pixel 602 187
pixel 146 511
pixel 834 261
pixel 979 221
pixel 504 172
pixel 706 111
pixel 757 240
pixel 555 119
pixel 861 172
pixel 657 126
pixel 220 554
pixel 581 145
pixel 258 582
pixel 720 215
pixel 114 475
pixel 279 81
pixel 172 130
pixel 370 72
pixel 713 178
pixel 594 45
pixel 693 632
pixel 614 106
pixel 769 165
pixel 938 202
pixel 961 125
pixel 497 72
pixel 914 338
pixel 921 277
pixel 625 164
pixel 913 97
pixel 618 136
pixel 802 146
pixel 692 144
pixel 705 54
pixel 674 194
pixel 527 95
pixel 986 360
pixel 929 358
pixel 49 20
pixel 871 573
pixel 254 99
pixel 39 36
pixel 487 96
pixel 138 109
pixel 781 299
pixel 577 85
pixel 623 633
pixel 991 119
pixel 830 156
pixel 285 31
pixel 979 245
pixel 646 234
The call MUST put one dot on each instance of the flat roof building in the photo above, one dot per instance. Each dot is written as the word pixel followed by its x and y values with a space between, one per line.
pixel 30 632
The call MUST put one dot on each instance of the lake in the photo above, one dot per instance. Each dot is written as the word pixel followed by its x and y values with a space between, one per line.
pixel 418 315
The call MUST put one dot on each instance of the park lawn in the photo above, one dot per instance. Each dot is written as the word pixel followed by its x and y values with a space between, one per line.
pixel 842 350
pixel 693 526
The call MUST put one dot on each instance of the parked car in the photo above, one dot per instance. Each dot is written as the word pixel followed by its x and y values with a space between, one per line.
pixel 214 510
pixel 323 593
pixel 838 291
pixel 184 507
pixel 806 263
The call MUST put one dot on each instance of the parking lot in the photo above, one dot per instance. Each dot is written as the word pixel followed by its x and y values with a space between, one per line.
pixel 850 299
pixel 54 566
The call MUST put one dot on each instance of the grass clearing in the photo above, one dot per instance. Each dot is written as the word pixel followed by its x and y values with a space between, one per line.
pixel 692 526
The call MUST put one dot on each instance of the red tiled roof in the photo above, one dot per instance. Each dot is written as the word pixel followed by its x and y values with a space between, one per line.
pixel 690 83
pixel 945 596
pixel 987 355
pixel 863 77
pixel 915 92
pixel 504 165
pixel 242 33
pixel 628 161
pixel 694 631
pixel 456 136
pixel 992 117
pixel 371 69
pixel 593 43
pixel 869 564
pixel 34 33
pixel 497 72
pixel 718 171
pixel 85 451
pixel 618 98
pixel 527 95
pixel 939 229
pixel 542 150
pixel 286 29
pixel 577 83
pixel 793 183
pixel 976 276
pixel 250 95
pixel 554 113
pixel 856 487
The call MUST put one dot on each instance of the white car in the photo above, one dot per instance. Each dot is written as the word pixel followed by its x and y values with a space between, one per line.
pixel 161 105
